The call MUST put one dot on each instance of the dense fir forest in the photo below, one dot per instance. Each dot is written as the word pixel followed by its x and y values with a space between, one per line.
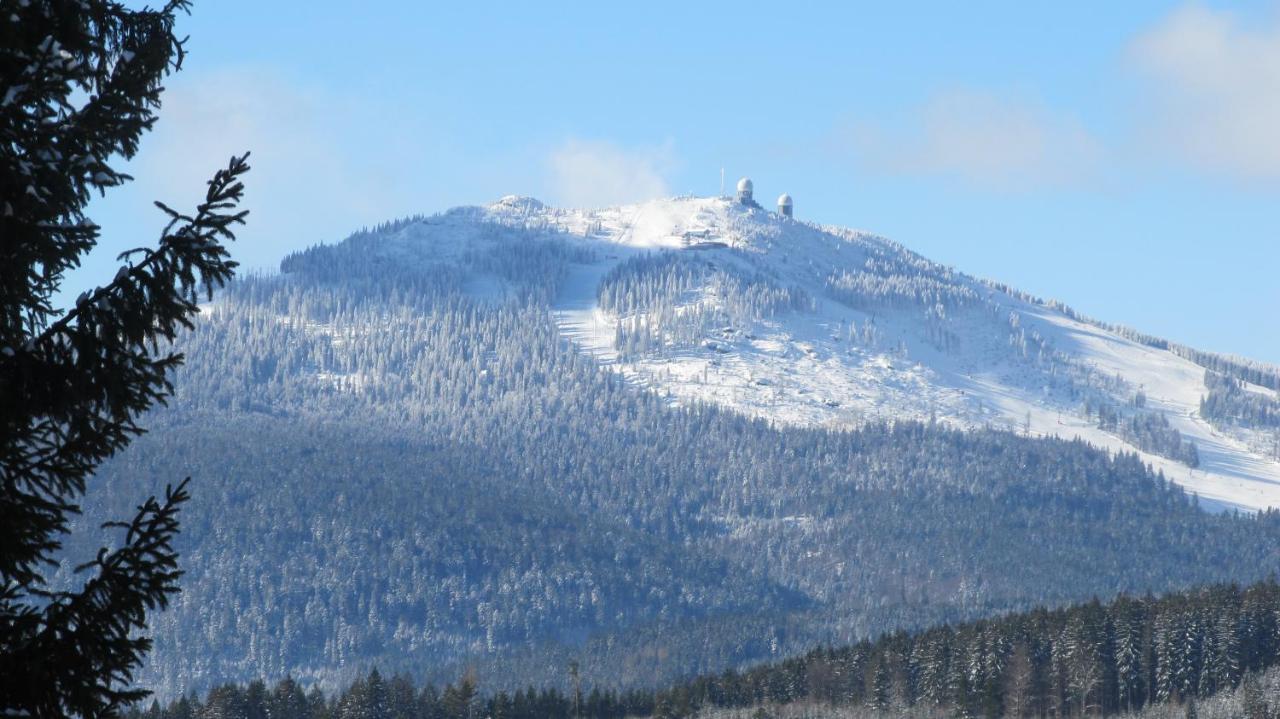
pixel 1090 659
pixel 658 297
pixel 1228 402
pixel 394 473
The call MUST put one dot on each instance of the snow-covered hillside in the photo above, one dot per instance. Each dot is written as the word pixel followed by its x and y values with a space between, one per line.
pixel 708 300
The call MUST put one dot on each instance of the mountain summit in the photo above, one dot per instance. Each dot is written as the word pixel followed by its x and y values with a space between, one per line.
pixel 717 300
pixel 664 439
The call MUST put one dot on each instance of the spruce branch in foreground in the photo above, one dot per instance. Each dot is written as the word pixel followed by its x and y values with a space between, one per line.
pixel 80 82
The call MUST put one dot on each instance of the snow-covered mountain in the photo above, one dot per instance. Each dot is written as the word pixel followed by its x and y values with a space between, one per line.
pixel 711 300
pixel 497 438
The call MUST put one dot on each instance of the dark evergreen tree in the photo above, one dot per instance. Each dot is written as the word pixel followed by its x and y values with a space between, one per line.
pixel 81 84
pixel 289 701
pixel 457 702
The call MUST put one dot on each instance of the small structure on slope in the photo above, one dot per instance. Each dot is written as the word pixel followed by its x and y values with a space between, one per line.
pixel 784 204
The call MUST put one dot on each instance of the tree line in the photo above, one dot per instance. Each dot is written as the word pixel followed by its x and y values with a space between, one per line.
pixel 1088 659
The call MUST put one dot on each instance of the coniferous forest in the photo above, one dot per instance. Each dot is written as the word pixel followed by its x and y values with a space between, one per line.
pixel 635 455
pixel 395 473
pixel 1212 645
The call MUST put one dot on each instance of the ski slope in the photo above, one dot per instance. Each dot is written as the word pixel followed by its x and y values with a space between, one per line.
pixel 1005 361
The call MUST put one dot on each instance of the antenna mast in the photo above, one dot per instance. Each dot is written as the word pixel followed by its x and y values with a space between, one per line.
pixel 722 182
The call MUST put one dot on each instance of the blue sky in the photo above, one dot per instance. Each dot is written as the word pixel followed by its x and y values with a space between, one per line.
pixel 1122 157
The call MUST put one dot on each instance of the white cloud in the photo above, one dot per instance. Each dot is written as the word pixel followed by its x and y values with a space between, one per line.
pixel 1215 96
pixel 979 138
pixel 326 162
pixel 310 181
pixel 594 173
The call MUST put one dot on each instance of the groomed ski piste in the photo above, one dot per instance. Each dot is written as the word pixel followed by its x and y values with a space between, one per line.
pixel 1001 359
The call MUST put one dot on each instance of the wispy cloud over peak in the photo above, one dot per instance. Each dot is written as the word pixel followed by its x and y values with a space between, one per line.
pixel 982 139
pixel 597 173
pixel 1214 90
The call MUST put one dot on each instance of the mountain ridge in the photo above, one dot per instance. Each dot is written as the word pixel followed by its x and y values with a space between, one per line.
pixel 890 335
pixel 401 458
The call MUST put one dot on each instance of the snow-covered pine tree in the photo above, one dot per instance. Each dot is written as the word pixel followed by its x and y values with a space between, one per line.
pixel 1128 619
